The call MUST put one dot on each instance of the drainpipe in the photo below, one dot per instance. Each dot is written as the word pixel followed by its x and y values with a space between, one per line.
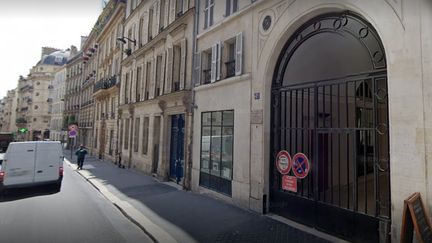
pixel 188 182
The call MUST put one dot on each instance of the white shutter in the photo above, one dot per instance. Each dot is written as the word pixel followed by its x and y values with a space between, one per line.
pixel 183 64
pixel 172 13
pixel 145 28
pixel 169 70
pixel 162 75
pixel 185 5
pixel 239 54
pixel 213 70
pixel 197 69
pixel 218 60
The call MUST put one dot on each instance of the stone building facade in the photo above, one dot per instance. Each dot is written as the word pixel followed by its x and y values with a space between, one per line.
pixel 340 83
pixel 106 88
pixel 57 95
pixel 33 94
pixel 155 115
pixel 9 112
pixel 74 78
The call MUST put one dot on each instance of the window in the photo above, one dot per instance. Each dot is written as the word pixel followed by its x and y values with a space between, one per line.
pixel 147 81
pixel 176 68
pixel 162 15
pixel 208 13
pixel 179 8
pixel 136 134
pixel 145 135
pixel 150 25
pixel 37 94
pixel 230 59
pixel 137 85
pixel 126 88
pixel 126 135
pixel 207 62
pixel 231 7
pixel 36 107
pixel 217 141
pixel 159 81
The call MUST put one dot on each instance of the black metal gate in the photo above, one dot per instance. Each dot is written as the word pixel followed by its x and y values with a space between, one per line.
pixel 340 122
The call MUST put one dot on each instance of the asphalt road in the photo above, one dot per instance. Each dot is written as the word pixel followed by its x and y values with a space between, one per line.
pixel 78 213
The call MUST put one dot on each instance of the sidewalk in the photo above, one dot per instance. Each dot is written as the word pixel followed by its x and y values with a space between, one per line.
pixel 169 214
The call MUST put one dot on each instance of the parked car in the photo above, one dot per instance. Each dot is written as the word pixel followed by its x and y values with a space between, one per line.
pixel 32 163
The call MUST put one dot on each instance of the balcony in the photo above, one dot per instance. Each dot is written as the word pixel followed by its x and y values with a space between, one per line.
pixel 20 120
pixel 105 84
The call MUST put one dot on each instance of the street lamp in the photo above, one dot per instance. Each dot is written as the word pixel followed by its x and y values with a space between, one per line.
pixel 123 40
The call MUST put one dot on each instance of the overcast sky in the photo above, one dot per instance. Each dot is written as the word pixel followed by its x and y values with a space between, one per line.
pixel 27 25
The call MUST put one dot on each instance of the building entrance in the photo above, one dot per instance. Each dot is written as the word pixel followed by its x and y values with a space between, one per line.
pixel 329 102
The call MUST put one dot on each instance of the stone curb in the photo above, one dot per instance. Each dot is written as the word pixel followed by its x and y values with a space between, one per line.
pixel 156 233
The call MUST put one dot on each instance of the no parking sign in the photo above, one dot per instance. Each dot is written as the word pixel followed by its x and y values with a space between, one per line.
pixel 300 166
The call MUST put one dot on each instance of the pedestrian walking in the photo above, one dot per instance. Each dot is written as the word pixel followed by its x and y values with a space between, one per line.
pixel 81 153
pixel 120 165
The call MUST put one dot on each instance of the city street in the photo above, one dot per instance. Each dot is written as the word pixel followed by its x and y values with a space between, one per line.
pixel 78 213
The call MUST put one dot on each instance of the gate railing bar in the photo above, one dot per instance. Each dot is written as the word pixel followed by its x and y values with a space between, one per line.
pixel 310 134
pixel 339 145
pixel 315 147
pixel 331 141
pixel 355 186
pixel 375 158
pixel 348 153
pixel 365 137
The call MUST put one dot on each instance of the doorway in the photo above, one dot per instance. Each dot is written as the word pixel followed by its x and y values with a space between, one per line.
pixel 329 102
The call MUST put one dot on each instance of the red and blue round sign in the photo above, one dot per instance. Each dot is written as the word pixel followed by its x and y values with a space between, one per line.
pixel 300 166
pixel 283 162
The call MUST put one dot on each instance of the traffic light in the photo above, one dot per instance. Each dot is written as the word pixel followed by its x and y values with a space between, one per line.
pixel 23 130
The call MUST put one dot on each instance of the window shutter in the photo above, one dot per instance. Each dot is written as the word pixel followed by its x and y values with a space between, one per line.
pixel 213 63
pixel 183 64
pixel 132 87
pixel 185 5
pixel 218 60
pixel 145 28
pixel 172 13
pixel 162 77
pixel 152 88
pixel 156 18
pixel 168 80
pixel 197 69
pixel 239 54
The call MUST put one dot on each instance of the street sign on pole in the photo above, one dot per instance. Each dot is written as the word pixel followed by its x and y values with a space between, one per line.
pixel 72 133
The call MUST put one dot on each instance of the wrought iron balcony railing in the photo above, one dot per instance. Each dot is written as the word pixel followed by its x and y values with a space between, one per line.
pixel 105 84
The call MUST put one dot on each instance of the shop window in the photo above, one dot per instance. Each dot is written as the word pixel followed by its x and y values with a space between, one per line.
pixel 216 158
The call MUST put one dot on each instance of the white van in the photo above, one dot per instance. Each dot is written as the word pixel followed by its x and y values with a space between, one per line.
pixel 32 163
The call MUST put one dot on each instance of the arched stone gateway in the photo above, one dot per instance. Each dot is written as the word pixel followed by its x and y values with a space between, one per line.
pixel 329 101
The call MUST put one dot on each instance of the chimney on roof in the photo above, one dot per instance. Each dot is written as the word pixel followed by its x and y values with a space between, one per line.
pixel 73 51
